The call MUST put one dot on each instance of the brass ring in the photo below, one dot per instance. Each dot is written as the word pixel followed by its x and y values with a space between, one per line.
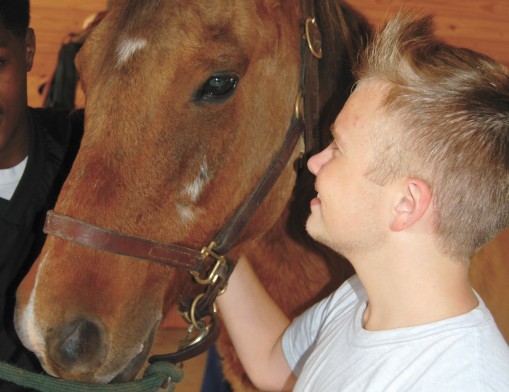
pixel 193 308
pixel 314 37
pixel 299 105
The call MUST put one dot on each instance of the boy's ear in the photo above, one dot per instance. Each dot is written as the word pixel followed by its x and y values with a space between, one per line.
pixel 410 203
pixel 29 48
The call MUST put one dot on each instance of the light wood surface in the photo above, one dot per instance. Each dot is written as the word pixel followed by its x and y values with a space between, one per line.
pixel 52 20
pixel 482 25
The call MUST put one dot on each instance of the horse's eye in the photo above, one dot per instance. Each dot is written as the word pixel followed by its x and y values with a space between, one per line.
pixel 218 88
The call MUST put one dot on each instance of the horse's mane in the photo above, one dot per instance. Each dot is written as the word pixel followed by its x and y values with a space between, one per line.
pixel 344 32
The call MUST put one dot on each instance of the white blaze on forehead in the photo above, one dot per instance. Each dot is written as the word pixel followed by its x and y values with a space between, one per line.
pixel 128 47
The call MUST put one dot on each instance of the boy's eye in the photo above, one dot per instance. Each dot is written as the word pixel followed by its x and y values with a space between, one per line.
pixel 335 148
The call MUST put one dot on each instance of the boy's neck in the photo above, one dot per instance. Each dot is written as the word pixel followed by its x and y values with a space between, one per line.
pixel 415 291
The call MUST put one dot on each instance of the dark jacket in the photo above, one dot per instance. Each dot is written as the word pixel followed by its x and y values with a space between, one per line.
pixel 55 139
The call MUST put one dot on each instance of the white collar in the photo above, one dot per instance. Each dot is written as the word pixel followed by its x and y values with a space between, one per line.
pixel 9 179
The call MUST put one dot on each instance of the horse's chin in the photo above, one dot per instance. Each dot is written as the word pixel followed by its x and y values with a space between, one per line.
pixel 134 366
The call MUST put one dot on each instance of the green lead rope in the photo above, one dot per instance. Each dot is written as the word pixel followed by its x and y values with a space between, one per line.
pixel 158 375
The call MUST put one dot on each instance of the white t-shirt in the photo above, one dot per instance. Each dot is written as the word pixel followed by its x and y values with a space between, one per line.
pixel 9 179
pixel 329 350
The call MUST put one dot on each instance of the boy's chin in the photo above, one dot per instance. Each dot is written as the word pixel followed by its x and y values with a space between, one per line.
pixel 314 229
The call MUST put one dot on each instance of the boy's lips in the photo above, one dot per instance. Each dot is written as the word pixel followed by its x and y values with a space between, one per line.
pixel 315 201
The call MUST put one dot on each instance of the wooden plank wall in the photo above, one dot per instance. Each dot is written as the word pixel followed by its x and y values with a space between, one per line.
pixel 482 25
pixel 52 20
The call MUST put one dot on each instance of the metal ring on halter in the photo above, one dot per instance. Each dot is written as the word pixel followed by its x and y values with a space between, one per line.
pixel 314 37
pixel 191 340
pixel 192 311
pixel 299 106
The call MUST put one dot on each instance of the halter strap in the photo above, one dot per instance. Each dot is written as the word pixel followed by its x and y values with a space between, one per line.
pixel 96 237
pixel 228 237
pixel 310 83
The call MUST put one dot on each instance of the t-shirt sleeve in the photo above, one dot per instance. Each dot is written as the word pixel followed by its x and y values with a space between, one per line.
pixel 300 336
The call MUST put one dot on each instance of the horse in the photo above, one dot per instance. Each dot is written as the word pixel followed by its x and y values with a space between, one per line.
pixel 188 104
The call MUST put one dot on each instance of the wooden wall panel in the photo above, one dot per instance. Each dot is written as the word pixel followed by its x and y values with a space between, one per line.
pixel 52 20
pixel 482 25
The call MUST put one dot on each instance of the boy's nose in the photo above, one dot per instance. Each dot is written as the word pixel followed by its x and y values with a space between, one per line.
pixel 318 160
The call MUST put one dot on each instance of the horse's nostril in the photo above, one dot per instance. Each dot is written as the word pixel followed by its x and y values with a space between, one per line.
pixel 82 343
pixel 79 346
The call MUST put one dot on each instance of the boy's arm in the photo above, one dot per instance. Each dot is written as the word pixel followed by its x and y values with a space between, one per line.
pixel 256 325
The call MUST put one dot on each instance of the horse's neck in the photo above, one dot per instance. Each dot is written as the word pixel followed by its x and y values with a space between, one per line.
pixel 284 259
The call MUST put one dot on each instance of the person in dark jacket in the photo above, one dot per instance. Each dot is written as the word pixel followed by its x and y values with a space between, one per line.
pixel 37 148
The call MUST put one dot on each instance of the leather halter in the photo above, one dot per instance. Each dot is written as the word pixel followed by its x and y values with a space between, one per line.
pixel 209 266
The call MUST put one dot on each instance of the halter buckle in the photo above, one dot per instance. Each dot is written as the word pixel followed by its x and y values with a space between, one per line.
pixel 219 269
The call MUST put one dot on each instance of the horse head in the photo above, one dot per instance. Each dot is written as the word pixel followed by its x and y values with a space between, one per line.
pixel 187 103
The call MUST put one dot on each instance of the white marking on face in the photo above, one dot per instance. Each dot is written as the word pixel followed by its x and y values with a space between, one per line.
pixel 29 329
pixel 194 189
pixel 192 192
pixel 186 213
pixel 127 48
